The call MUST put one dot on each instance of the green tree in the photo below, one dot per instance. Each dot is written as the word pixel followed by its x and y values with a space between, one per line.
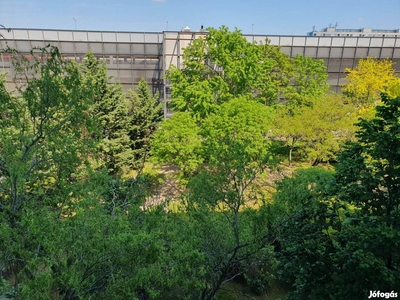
pixel 306 222
pixel 144 113
pixel 42 130
pixel 127 121
pixel 178 142
pixel 308 80
pixel 235 150
pixel 42 147
pixel 222 66
pixel 111 106
pixel 68 231
pixel 344 243
pixel 369 179
pixel 316 130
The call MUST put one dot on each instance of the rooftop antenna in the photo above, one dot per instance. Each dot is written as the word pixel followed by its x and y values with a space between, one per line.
pixel 167 25
pixel 313 28
pixel 336 25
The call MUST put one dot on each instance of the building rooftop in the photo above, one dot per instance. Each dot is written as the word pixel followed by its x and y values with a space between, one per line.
pixel 367 32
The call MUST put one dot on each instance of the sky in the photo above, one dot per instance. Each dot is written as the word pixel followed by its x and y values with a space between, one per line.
pixel 280 17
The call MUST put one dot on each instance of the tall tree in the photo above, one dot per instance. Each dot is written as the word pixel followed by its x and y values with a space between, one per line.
pixel 224 65
pixel 111 107
pixel 127 121
pixel 42 148
pixel 368 79
pixel 178 142
pixel 235 150
pixel 306 224
pixel 368 178
pixel 41 131
pixel 316 130
pixel 342 240
pixel 308 80
pixel 144 114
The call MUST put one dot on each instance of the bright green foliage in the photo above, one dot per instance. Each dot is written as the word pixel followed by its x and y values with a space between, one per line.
pixel 289 128
pixel 316 130
pixel 42 146
pixel 222 66
pixel 235 144
pixel 343 247
pixel 41 131
pixel 178 142
pixel 308 80
pixel 235 149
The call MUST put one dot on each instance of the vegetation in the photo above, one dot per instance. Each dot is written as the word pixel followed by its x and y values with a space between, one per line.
pixel 76 217
pixel 368 79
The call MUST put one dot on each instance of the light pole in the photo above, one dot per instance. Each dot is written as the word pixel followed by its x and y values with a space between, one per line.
pixel 74 22
pixel 252 27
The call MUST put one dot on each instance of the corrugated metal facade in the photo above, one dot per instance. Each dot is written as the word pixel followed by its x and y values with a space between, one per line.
pixel 133 55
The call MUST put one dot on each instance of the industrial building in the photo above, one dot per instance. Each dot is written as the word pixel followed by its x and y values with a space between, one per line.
pixel 363 32
pixel 133 55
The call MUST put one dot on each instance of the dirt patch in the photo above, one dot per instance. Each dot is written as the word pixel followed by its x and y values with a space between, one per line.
pixel 167 189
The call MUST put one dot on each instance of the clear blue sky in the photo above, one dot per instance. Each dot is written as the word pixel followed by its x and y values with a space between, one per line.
pixel 269 17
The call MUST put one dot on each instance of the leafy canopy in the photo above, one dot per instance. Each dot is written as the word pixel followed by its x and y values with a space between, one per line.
pixel 223 65
pixel 368 79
